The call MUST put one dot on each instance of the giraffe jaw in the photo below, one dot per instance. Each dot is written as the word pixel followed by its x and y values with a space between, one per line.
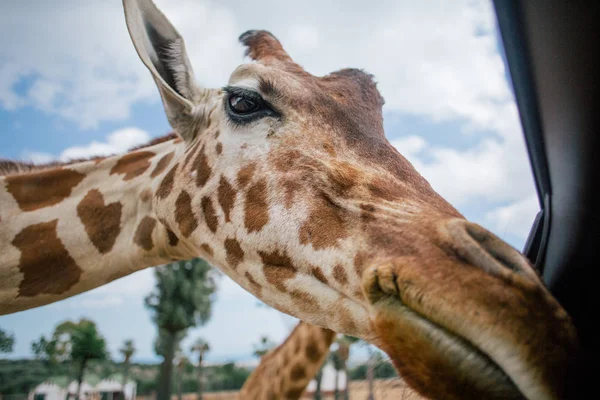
pixel 459 370
pixel 442 351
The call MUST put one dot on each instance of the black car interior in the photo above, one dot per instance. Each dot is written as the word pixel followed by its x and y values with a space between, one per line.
pixel 553 53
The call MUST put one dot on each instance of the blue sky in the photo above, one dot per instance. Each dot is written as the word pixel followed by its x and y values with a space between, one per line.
pixel 71 80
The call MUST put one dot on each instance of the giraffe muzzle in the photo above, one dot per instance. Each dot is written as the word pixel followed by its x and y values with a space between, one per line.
pixel 477 314
pixel 480 248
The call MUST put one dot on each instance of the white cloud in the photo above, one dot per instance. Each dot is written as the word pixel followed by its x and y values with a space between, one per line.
pixel 435 59
pixel 432 58
pixel 37 157
pixel 409 146
pixel 116 142
pixel 79 60
pixel 515 218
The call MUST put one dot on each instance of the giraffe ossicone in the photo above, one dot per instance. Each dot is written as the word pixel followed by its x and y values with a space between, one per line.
pixel 286 183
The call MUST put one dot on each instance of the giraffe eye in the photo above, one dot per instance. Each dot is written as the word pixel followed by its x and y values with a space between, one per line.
pixel 244 106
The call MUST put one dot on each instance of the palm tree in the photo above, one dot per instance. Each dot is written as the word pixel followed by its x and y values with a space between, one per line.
pixel 127 351
pixel 86 344
pixel 201 346
pixel 182 298
pixel 7 341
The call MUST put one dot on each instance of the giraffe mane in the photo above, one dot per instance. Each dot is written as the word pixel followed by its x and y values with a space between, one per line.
pixel 13 167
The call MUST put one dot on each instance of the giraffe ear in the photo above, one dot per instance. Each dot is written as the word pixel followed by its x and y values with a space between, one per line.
pixel 162 50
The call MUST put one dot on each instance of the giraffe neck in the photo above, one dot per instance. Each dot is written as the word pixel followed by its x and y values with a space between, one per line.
pixel 286 371
pixel 67 229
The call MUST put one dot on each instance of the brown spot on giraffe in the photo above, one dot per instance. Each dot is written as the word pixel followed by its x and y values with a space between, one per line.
pixel 184 215
pixel 202 168
pixel 305 302
pixel 166 185
pixel 206 247
pixel 325 225
pixel 162 164
pixel 256 214
pixel 360 260
pixel 173 239
pixel 245 174
pixel 340 274
pixel 255 285
pixel 102 222
pixel 145 195
pixel 312 350
pixel 345 317
pixel 294 393
pixel 318 273
pixel 368 212
pixel 42 189
pixel 387 189
pixel 329 148
pixel 290 188
pixel 43 254
pixel 219 148
pixel 343 176
pixel 278 268
pixel 143 233
pixel 209 214
pixel 226 195
pixel 297 372
pixel 132 164
pixel 235 254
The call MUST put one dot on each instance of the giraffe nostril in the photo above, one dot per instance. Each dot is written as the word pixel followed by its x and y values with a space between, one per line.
pixel 483 249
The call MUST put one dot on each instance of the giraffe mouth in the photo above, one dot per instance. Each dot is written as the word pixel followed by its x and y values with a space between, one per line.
pixel 469 372
pixel 433 358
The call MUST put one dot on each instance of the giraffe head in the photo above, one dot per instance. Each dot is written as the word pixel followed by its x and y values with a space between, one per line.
pixel 289 186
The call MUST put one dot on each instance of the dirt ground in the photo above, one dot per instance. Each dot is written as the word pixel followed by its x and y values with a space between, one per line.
pixel 384 389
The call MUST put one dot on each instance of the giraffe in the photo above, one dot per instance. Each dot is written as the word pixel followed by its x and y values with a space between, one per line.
pixel 286 183
pixel 285 372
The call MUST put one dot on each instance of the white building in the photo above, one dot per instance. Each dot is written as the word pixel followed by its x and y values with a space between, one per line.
pixel 48 391
pixel 328 380
pixel 85 391
pixel 106 389
pixel 112 388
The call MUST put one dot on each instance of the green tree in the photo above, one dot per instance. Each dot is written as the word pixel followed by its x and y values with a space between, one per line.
pixel 57 348
pixel 86 344
pixel 182 298
pixel 127 350
pixel 264 345
pixel 7 342
pixel 201 347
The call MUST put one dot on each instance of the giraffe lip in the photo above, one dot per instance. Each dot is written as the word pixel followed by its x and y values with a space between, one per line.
pixel 471 365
